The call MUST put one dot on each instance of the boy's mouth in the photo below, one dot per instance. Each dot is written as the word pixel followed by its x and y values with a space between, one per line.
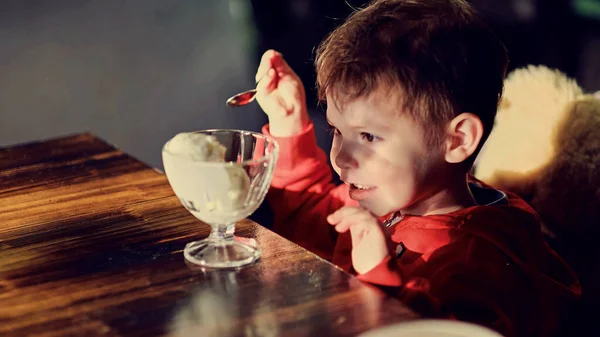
pixel 360 187
pixel 359 192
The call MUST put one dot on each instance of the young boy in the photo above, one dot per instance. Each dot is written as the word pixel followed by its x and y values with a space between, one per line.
pixel 411 88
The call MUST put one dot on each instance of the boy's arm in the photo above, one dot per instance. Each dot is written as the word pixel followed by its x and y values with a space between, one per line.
pixel 302 193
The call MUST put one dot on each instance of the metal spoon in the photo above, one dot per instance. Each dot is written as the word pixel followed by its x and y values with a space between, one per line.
pixel 242 98
pixel 245 97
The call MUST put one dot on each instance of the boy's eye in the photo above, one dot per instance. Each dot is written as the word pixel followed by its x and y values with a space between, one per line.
pixel 369 138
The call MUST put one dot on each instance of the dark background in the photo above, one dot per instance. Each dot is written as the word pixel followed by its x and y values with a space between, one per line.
pixel 136 72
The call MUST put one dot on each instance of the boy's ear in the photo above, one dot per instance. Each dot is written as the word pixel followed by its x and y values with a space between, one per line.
pixel 464 134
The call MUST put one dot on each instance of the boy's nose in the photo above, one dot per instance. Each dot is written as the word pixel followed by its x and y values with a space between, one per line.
pixel 344 158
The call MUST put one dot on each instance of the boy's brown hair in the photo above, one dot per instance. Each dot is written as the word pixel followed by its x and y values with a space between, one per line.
pixel 438 53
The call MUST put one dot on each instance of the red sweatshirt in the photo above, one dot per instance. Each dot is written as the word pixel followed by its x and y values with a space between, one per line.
pixel 487 264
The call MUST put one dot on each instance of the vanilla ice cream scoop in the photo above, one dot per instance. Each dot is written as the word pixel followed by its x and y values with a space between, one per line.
pixel 210 187
pixel 197 146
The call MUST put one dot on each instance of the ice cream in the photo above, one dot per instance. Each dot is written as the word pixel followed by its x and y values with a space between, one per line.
pixel 197 146
pixel 212 188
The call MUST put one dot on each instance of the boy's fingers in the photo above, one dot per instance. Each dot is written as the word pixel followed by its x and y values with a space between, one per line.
pixel 356 234
pixel 355 225
pixel 266 62
pixel 351 225
pixel 342 227
pixel 268 83
pixel 340 214
pixel 280 64
pixel 334 217
pixel 265 65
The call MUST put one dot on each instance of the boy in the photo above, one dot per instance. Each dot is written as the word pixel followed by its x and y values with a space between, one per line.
pixel 411 88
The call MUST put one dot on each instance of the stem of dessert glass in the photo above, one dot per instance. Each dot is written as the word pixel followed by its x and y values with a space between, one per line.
pixel 222 233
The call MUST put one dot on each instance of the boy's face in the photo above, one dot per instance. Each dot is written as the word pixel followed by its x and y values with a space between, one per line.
pixel 381 154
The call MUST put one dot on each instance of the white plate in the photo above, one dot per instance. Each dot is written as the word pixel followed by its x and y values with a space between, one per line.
pixel 432 328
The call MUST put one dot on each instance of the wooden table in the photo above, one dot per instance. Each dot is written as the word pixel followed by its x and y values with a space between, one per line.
pixel 91 244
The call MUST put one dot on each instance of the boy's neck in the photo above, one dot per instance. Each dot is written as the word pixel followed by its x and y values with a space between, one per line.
pixel 453 195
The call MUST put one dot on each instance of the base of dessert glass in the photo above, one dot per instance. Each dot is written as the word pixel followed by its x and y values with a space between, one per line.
pixel 234 252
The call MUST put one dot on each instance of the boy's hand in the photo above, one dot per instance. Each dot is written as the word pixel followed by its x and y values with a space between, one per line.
pixel 369 245
pixel 281 95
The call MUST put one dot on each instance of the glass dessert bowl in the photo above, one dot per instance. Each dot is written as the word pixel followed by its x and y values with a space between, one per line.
pixel 221 177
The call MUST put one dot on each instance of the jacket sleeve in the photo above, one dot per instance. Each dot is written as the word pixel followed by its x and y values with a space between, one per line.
pixel 452 284
pixel 302 193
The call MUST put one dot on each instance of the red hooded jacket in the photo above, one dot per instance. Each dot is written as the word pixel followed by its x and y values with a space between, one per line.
pixel 487 264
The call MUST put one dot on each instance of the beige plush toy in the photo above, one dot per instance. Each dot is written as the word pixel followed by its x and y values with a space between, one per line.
pixel 545 147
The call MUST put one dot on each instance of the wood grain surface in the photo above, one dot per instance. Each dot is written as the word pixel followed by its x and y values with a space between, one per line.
pixel 91 244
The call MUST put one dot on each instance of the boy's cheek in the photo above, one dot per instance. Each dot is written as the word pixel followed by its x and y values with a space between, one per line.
pixel 336 169
pixel 332 157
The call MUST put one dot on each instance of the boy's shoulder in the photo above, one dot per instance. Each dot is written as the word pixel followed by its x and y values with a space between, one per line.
pixel 500 221
pixel 492 201
pixel 499 214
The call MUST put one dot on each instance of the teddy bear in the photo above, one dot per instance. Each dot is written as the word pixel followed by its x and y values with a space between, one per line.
pixel 545 147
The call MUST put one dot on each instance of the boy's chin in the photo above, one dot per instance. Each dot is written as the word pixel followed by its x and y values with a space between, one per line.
pixel 375 208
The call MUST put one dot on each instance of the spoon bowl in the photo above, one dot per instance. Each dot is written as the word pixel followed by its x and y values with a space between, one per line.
pixel 242 98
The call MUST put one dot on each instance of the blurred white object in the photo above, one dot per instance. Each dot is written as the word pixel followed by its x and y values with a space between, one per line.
pixel 207 314
pixel 432 328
